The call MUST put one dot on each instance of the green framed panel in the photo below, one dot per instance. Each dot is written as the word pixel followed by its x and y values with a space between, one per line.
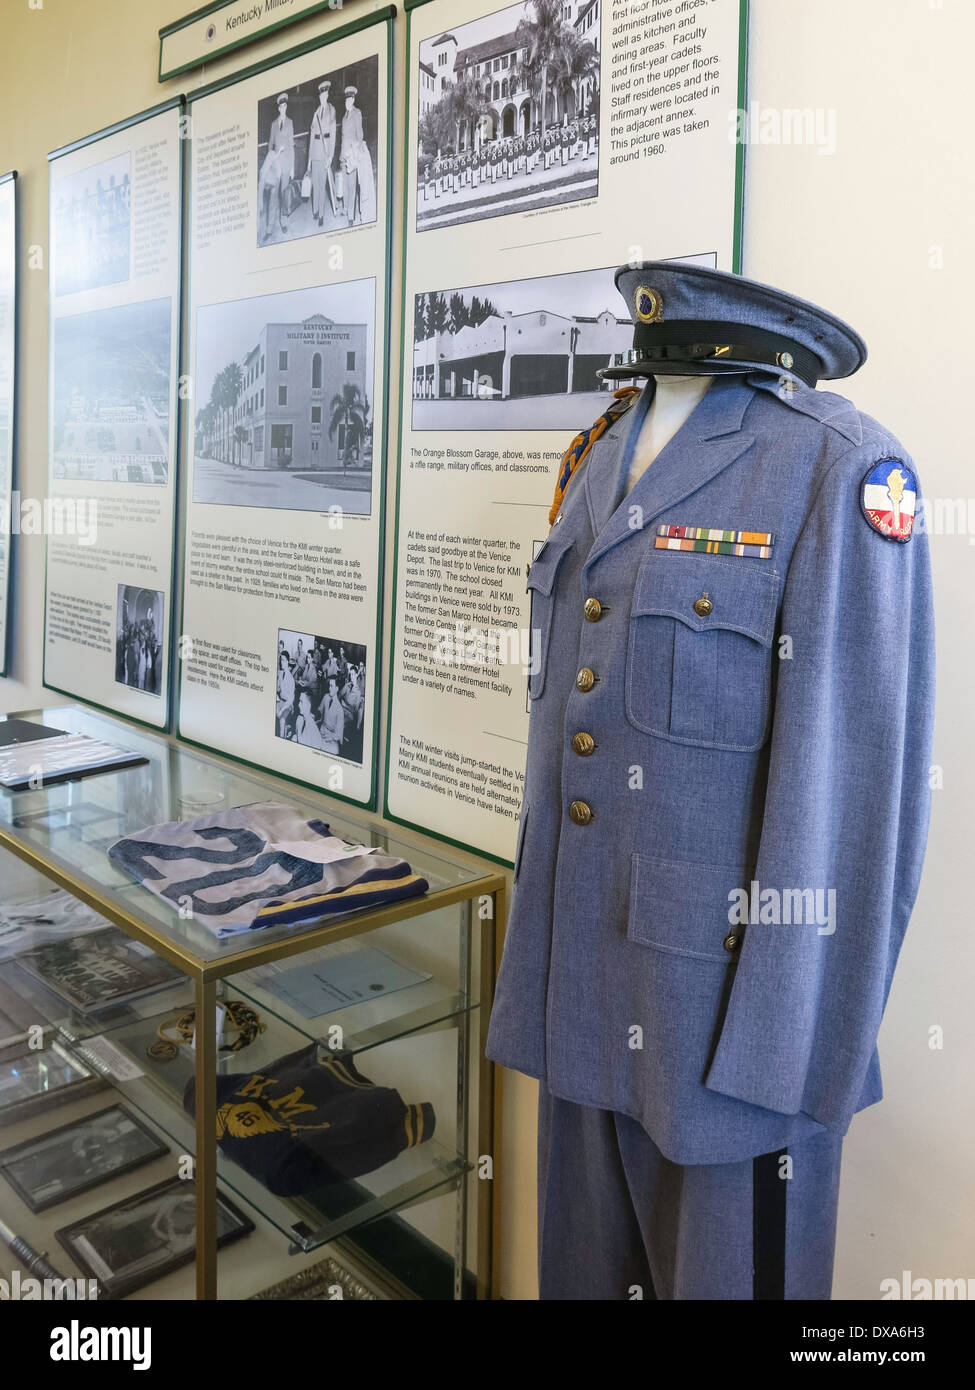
pixel 225 26
pixel 9 325
pixel 102 298
pixel 411 7
pixel 371 746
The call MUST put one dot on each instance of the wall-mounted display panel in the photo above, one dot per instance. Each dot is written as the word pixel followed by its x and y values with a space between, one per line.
pixel 289 248
pixel 115 242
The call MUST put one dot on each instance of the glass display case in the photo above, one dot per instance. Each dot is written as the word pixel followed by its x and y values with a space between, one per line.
pixel 320 1087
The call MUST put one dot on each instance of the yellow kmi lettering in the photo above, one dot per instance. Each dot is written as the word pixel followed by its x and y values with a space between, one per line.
pixel 254 1085
pixel 290 1105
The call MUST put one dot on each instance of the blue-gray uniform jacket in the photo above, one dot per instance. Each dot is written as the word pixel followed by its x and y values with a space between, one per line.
pixel 761 722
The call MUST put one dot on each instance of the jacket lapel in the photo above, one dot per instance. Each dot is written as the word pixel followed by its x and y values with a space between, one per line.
pixel 602 475
pixel 709 440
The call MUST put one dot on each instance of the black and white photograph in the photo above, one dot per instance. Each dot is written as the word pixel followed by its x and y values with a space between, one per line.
pixel 99 970
pixel 284 400
pixel 316 154
pixel 113 394
pixel 33 1079
pixel 139 638
pixel 91 225
pixel 76 1157
pixel 509 113
pixel 134 1242
pixel 320 693
pixel 518 355
pixel 521 354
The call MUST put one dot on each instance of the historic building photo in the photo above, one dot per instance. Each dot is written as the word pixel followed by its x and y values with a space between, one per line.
pixel 284 416
pixel 517 355
pixel 509 112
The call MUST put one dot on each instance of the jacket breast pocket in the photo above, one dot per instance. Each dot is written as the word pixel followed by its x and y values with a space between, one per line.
pixel 542 575
pixel 699 650
pixel 686 909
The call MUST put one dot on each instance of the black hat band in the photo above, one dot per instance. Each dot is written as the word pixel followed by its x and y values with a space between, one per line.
pixel 693 340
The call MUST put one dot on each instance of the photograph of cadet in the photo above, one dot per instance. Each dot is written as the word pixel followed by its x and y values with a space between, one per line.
pixel 320 693
pixel 113 394
pixel 316 155
pixel 138 638
pixel 284 387
pixel 91 223
pixel 509 113
pixel 78 1156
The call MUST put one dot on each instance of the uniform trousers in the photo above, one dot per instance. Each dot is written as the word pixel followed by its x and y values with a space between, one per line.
pixel 618 1220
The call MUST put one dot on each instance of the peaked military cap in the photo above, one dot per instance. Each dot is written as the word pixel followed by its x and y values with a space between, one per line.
pixel 689 318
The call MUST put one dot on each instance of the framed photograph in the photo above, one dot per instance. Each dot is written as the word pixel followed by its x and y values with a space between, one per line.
pixel 320 693
pixel 139 637
pixel 317 153
pixel 111 394
pixel 78 1156
pixel 286 400
pixel 496 134
pixel 33 1079
pixel 91 226
pixel 99 971
pixel 133 1243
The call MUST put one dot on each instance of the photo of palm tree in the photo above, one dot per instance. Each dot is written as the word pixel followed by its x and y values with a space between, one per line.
pixel 284 400
pixel 509 112
pixel 517 355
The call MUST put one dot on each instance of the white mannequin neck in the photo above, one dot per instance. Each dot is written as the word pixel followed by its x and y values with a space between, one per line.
pixel 674 399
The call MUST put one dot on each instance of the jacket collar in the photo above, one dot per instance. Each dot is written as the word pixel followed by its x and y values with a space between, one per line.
pixel 708 441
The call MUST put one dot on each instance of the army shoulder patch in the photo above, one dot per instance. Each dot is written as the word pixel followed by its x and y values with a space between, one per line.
pixel 888 497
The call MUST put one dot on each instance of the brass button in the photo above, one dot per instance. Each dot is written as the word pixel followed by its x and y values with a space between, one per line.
pixel 593 610
pixel 583 744
pixel 732 942
pixel 580 813
pixel 703 606
pixel 585 680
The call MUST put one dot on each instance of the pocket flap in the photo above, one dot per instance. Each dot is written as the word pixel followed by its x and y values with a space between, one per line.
pixel 685 908
pixel 544 567
pixel 743 599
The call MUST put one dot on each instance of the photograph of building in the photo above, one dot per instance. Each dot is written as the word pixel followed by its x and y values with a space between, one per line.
pixel 285 399
pixel 113 394
pixel 91 225
pixel 316 154
pixel 509 112
pixel 517 355
pixel 320 693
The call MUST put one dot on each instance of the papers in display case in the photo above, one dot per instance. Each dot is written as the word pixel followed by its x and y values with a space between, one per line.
pixel 41 762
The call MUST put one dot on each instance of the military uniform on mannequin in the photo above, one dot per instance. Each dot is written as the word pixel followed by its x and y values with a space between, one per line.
pixel 726 801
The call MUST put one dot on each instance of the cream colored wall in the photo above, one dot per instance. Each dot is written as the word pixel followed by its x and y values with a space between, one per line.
pixel 856 230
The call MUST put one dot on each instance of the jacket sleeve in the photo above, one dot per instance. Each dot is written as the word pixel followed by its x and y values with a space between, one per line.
pixel 846 809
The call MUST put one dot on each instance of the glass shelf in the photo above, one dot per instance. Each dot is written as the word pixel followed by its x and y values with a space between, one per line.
pixel 421 1031
pixel 308 1221
pixel 69 827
